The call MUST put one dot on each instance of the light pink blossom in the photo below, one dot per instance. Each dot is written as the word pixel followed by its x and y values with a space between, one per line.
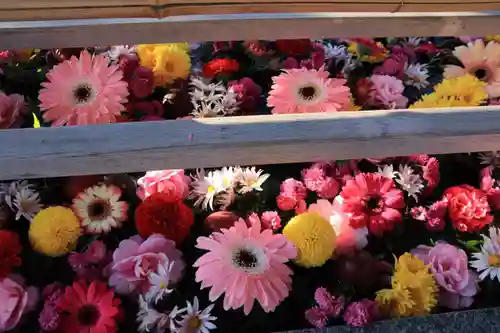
pixel 15 301
pixel 362 313
pixel 172 182
pixel 387 92
pixel 12 110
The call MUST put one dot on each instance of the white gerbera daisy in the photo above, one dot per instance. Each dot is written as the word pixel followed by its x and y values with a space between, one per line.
pixel 205 187
pixel 251 179
pixel 100 209
pixel 416 75
pixel 487 261
pixel 160 282
pixel 409 181
pixel 22 199
pixel 387 171
pixel 195 321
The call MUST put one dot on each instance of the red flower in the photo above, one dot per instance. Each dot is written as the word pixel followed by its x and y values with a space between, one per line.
pixel 221 66
pixel 9 252
pixel 468 208
pixel 362 91
pixel 294 47
pixel 89 309
pixel 373 201
pixel 162 214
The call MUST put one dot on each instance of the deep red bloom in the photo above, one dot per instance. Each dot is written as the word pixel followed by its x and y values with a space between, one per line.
pixel 162 214
pixel 9 252
pixel 294 47
pixel 142 83
pixel 373 201
pixel 468 208
pixel 220 66
pixel 362 91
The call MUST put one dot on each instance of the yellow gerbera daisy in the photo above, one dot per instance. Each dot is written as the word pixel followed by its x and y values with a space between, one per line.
pixel 313 236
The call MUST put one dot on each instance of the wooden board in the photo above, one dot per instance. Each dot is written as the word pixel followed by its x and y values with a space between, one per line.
pixel 84 9
pixel 130 147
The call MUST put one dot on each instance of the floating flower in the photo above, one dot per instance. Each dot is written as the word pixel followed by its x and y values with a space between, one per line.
pixel 367 50
pixel 328 307
pixel 168 61
pixel 141 83
pixel 387 92
pixel 409 181
pixel 212 99
pixel 10 249
pixel 246 264
pixel 162 214
pixel 251 179
pixel 479 60
pixel 83 91
pixel 100 209
pixel 317 179
pixel 206 186
pixel 362 313
pixel 372 201
pixel 115 53
pixel 220 66
pixel 160 282
pixel 292 196
pixel 247 92
pixel 172 182
pixel 54 231
pixel 22 199
pixel 294 47
pixel 416 75
pixel 135 259
pixel 91 264
pixel 487 261
pixel 195 320
pixel 15 301
pixel 150 320
pixel 89 308
pixel 468 208
pixel 449 265
pixel 314 238
pixel 307 90
pixel 12 110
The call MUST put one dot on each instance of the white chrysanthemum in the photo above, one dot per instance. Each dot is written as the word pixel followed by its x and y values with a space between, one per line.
pixel 160 282
pixel 490 158
pixel 487 261
pixel 335 52
pixel 251 179
pixel 205 187
pixel 416 75
pixel 387 171
pixel 100 209
pixel 212 99
pixel 22 199
pixel 152 321
pixel 409 181
pixel 195 321
pixel 115 52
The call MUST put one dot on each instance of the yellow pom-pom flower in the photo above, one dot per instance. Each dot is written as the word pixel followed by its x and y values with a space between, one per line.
pixel 167 61
pixel 54 231
pixel 313 236
pixel 414 290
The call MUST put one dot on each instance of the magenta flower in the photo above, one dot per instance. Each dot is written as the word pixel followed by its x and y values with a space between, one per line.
pixel 142 82
pixel 172 182
pixel 316 317
pixel 393 66
pixel 247 92
pixel 92 263
pixel 292 196
pixel 328 306
pixel 449 265
pixel 387 92
pixel 362 313
pixel 490 186
pixel 12 110
pixel 317 179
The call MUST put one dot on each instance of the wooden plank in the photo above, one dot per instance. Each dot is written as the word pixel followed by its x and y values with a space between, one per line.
pixel 75 33
pixel 116 148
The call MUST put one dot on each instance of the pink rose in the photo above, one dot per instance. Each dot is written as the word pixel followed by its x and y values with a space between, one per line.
pixel 173 182
pixel 15 300
pixel 448 264
pixel 12 109
pixel 387 91
pixel 135 258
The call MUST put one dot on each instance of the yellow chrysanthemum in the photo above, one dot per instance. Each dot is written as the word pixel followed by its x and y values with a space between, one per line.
pixel 167 61
pixel 414 290
pixel 54 231
pixel 460 91
pixel 313 236
pixel 494 38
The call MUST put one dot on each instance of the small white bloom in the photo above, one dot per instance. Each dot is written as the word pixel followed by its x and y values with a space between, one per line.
pixel 252 180
pixel 150 320
pixel 490 158
pixel 487 261
pixel 22 199
pixel 414 41
pixel 205 187
pixel 195 321
pixel 115 52
pixel 160 282
pixel 409 181
pixel 387 171
pixel 335 52
pixel 416 75
pixel 212 99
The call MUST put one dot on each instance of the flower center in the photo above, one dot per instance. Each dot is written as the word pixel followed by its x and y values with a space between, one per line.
pixel 245 259
pixel 169 67
pixel 481 74
pixel 98 210
pixel 88 315
pixel 194 322
pixel 82 93
pixel 494 260
pixel 308 92
pixel 211 189
pixel 163 285
pixel 373 203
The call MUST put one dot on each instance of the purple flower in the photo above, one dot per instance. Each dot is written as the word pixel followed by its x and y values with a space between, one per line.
pixel 362 313
pixel 448 264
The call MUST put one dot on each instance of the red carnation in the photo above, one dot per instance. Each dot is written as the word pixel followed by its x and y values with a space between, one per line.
pixel 9 252
pixel 221 66
pixel 161 214
pixel 468 208
pixel 294 47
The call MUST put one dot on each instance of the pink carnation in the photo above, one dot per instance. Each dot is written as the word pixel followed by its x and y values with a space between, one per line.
pixel 292 196
pixel 362 313
pixel 393 66
pixel 332 305
pixel 316 316
pixel 490 186
pixel 172 182
pixel 135 258
pixel 387 92
pixel 247 91
pixel 316 180
pixel 91 264
pixel 15 301
pixel 12 110
pixel 268 220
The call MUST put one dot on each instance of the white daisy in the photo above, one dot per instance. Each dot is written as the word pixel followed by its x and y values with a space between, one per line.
pixel 115 52
pixel 196 321
pixel 100 209
pixel 252 180
pixel 22 199
pixel 152 321
pixel 212 99
pixel 387 171
pixel 205 187
pixel 160 282
pixel 409 181
pixel 487 262
pixel 229 176
pixel 490 158
pixel 416 75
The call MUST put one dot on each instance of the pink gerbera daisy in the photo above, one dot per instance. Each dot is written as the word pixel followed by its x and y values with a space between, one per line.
pixel 83 91
pixel 480 60
pixel 373 201
pixel 246 264
pixel 308 90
